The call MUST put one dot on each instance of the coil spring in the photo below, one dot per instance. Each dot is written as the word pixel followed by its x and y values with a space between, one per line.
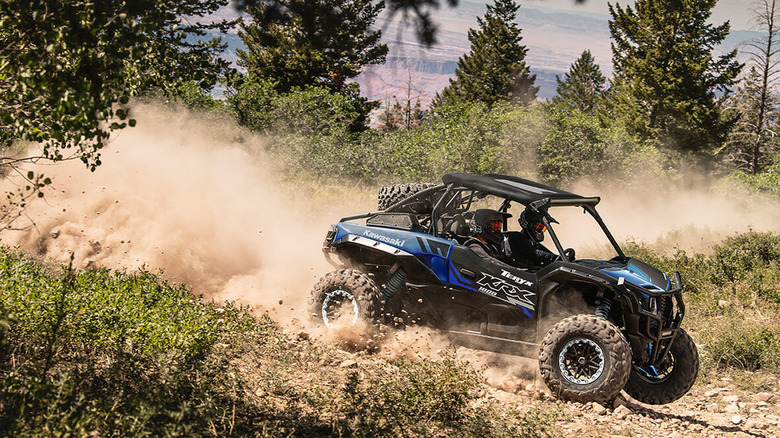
pixel 603 307
pixel 394 284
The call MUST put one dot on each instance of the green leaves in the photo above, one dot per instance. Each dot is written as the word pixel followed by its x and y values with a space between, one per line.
pixel 298 43
pixel 582 86
pixel 666 77
pixel 68 63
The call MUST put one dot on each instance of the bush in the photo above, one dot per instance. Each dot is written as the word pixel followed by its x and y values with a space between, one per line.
pixel 751 259
pixel 577 146
pixel 425 398
pixel 312 110
pixel 118 354
pixel 463 137
pixel 731 298
pixel 766 182
pixel 734 341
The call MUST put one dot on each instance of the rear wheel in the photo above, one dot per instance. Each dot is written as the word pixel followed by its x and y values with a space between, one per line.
pixel 585 358
pixel 671 379
pixel 347 295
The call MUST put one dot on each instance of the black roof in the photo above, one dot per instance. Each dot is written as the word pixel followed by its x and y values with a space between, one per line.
pixel 516 189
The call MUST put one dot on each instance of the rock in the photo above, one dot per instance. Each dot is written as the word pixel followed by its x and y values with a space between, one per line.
pixel 762 397
pixel 303 335
pixel 731 409
pixel 349 363
pixel 714 408
pixel 736 419
pixel 723 303
pixel 597 408
pixel 730 398
pixel 697 427
pixel 711 393
pixel 761 426
pixel 621 412
pixel 619 401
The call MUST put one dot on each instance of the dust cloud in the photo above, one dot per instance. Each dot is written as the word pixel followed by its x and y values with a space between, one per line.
pixel 691 214
pixel 194 196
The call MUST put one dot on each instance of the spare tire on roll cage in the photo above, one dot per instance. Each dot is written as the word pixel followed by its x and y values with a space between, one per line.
pixel 394 193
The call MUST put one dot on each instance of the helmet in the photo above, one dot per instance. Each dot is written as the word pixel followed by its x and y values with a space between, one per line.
pixel 532 224
pixel 488 224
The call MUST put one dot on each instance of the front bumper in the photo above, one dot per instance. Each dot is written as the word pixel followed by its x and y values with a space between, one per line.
pixel 652 320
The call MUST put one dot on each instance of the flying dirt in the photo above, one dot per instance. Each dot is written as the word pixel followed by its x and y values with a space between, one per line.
pixel 192 195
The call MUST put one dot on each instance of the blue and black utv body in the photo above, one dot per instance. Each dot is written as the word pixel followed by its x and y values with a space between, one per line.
pixel 597 326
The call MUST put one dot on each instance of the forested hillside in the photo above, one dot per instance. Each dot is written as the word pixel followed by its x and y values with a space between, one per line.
pixel 159 244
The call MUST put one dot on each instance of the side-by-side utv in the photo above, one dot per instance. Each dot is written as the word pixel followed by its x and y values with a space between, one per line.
pixel 596 326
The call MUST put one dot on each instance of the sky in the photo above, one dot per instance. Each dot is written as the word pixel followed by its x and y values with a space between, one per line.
pixel 738 12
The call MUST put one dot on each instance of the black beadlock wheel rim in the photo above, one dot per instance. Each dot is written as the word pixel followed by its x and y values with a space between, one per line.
pixel 581 361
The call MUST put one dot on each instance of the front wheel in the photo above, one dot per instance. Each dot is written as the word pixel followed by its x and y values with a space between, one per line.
pixel 585 358
pixel 347 295
pixel 671 379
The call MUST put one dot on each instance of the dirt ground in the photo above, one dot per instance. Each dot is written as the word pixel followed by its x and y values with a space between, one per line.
pixel 718 408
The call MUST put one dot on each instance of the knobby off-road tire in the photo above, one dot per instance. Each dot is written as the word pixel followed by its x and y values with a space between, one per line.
pixel 346 292
pixel 390 194
pixel 671 379
pixel 585 358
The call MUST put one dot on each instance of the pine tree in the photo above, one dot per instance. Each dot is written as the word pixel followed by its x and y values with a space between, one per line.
pixel 494 70
pixel 752 142
pixel 311 42
pixel 582 86
pixel 666 79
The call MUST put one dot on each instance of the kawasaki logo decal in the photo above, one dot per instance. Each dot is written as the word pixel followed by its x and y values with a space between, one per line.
pixel 382 238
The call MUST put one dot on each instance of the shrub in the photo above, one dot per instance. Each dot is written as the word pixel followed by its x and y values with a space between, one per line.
pixel 751 258
pixel 312 110
pixel 118 354
pixel 430 398
pixel 733 341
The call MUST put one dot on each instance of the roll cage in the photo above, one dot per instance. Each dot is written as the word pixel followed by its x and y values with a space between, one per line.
pixel 459 191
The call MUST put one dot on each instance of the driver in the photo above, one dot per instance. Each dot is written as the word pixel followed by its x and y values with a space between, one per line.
pixel 527 248
pixel 487 236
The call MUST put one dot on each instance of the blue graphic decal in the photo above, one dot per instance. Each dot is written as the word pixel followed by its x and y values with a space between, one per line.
pixel 633 276
pixel 457 280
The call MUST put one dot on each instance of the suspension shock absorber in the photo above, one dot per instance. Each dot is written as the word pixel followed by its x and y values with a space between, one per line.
pixel 395 283
pixel 603 306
